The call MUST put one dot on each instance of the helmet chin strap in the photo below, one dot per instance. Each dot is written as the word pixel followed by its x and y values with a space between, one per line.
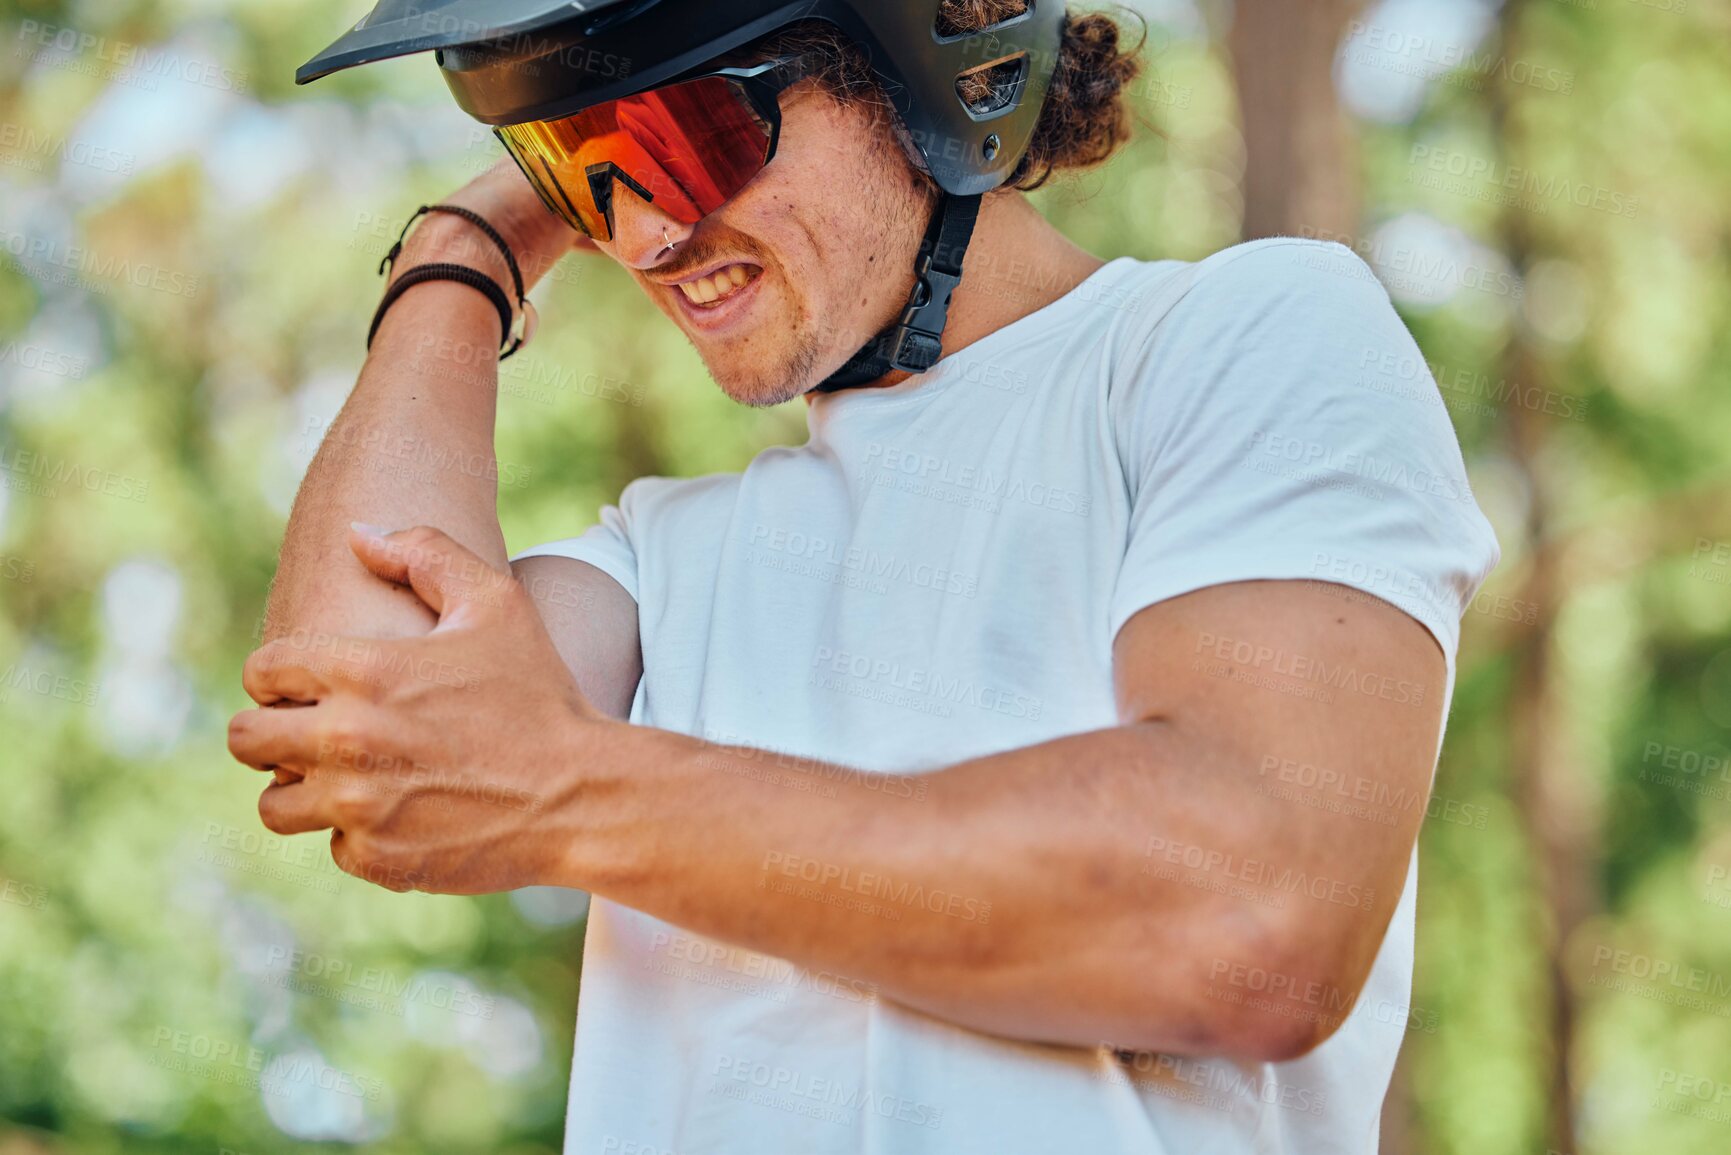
pixel 914 343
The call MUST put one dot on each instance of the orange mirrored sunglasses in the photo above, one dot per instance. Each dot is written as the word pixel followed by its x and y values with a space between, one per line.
pixel 686 147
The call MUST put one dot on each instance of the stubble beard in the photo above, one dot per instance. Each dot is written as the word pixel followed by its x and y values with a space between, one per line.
pixel 793 377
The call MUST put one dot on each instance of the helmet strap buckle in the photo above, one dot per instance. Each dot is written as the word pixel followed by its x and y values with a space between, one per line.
pixel 917 339
pixel 915 342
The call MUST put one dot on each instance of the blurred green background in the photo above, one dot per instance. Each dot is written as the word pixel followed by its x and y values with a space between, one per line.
pixel 187 262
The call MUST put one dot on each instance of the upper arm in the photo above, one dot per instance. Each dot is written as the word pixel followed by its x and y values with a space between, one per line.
pixel 1300 545
pixel 1311 715
pixel 593 623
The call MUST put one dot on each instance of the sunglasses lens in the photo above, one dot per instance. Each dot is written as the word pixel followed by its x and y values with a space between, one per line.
pixel 539 184
pixel 685 149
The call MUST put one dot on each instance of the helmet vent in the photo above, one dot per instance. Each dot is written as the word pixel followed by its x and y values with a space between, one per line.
pixel 995 13
pixel 991 88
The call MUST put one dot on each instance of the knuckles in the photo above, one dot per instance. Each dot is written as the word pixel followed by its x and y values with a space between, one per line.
pixel 246 739
pixel 352 806
pixel 347 740
pixel 422 536
pixel 271 814
pixel 256 672
pixel 432 557
pixel 343 851
pixel 424 545
pixel 358 855
pixel 240 735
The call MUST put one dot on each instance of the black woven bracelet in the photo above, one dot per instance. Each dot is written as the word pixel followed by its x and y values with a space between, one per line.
pixel 463 275
pixel 473 218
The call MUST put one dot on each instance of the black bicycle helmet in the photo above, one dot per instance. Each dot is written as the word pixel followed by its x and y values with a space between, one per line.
pixel 511 61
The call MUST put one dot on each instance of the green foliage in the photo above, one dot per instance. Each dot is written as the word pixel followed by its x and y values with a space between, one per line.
pixel 147 919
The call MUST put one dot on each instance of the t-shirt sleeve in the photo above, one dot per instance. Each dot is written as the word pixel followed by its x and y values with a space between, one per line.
pixel 607 545
pixel 1279 422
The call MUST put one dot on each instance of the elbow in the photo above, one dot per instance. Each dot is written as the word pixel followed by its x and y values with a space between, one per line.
pixel 1282 1009
pixel 1243 1033
pixel 1259 1036
pixel 1270 1040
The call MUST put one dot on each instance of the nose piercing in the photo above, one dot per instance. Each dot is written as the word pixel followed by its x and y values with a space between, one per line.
pixel 667 244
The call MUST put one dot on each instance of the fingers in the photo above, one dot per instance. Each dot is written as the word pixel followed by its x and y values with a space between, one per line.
pixel 278 671
pixel 306 668
pixel 268 738
pixel 342 853
pixel 445 575
pixel 297 808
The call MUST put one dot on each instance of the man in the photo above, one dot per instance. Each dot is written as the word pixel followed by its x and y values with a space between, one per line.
pixel 1030 762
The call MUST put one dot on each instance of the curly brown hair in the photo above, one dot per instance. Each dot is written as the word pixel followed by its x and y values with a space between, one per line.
pixel 1086 114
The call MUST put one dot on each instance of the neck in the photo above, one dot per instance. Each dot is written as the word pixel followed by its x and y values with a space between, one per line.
pixel 1016 264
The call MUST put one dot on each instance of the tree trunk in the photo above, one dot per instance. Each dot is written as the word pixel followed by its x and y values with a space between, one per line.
pixel 1301 176
pixel 1559 812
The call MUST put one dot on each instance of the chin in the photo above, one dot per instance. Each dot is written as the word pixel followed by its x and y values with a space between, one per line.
pixel 757 387
pixel 752 374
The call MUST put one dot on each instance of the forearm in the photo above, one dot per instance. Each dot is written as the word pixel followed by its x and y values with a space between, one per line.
pixel 1010 894
pixel 413 445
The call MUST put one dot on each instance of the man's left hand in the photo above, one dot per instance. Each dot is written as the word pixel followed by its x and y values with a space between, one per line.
pixel 439 763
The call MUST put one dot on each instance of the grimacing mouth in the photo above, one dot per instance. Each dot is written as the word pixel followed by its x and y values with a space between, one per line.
pixel 713 285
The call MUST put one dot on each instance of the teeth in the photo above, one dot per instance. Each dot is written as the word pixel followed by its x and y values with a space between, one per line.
pixel 715 287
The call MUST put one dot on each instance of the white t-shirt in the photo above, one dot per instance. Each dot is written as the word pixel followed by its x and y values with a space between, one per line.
pixel 938 574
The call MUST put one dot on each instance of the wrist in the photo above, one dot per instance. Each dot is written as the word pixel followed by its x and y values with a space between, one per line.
pixel 536 244
pixel 444 237
pixel 448 246
pixel 592 849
